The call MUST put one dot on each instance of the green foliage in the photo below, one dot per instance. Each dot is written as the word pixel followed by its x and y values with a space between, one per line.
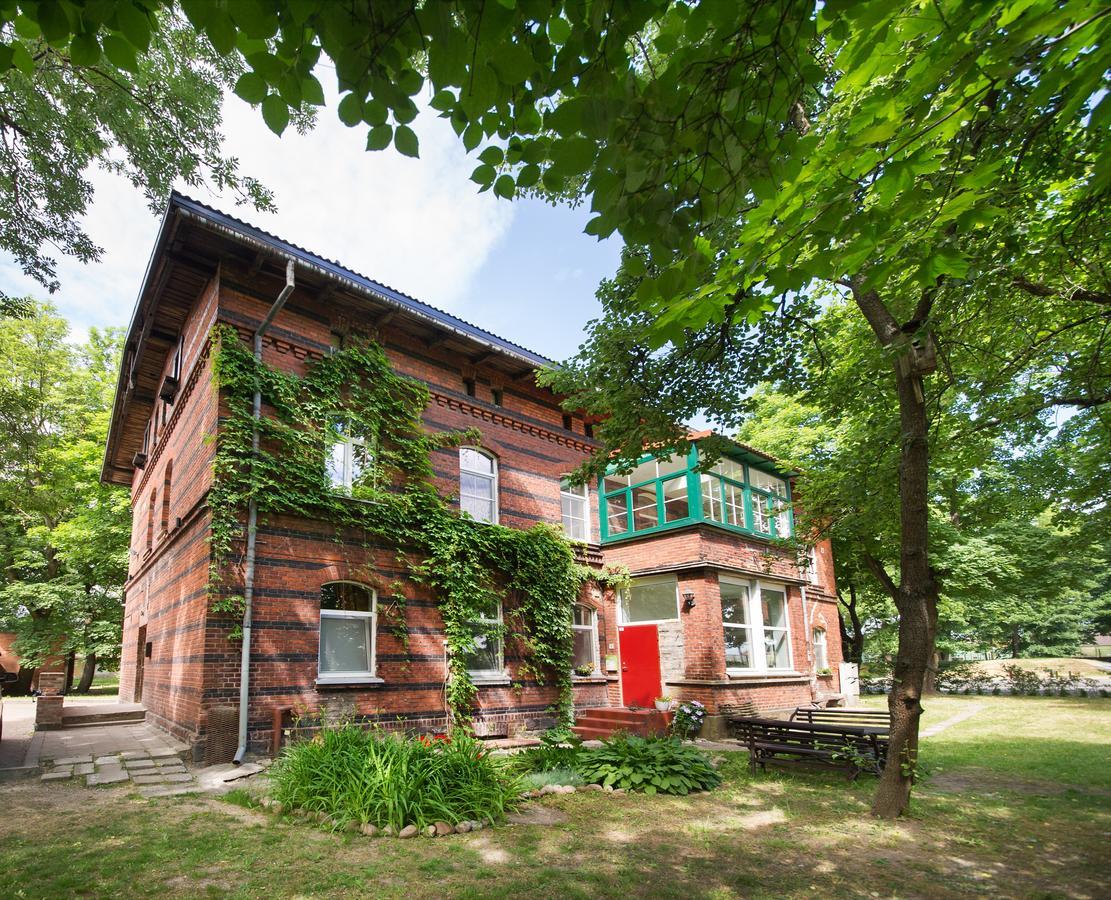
pixel 63 534
pixel 653 765
pixel 557 751
pixel 138 94
pixel 353 774
pixel 467 566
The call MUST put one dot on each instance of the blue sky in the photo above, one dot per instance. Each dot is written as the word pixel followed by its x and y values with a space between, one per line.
pixel 521 269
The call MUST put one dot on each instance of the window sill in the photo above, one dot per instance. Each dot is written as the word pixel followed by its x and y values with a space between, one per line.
pixel 347 681
pixel 490 680
pixel 596 678
pixel 781 675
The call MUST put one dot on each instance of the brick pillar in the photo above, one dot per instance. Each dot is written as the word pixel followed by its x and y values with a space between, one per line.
pixel 48 707
pixel 702 635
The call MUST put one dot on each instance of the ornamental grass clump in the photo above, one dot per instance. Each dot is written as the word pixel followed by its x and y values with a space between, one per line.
pixel 354 775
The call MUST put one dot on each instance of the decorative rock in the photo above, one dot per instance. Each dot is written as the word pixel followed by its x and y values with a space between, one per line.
pixel 351 825
pixel 369 830
pixel 567 789
pixel 408 831
pixel 591 787
pixel 476 825
pixel 619 790
pixel 443 828
pixel 430 831
pixel 608 788
pixel 462 827
pixel 277 807
pixel 549 789
pixel 388 831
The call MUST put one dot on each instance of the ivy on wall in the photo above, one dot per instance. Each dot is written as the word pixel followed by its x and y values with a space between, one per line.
pixel 393 505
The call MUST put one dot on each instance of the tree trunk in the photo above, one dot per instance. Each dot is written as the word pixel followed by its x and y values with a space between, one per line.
pixel 87 673
pixel 852 641
pixel 929 685
pixel 915 598
pixel 916 594
pixel 71 664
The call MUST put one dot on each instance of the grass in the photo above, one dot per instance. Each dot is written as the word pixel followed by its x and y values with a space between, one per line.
pixel 1017 806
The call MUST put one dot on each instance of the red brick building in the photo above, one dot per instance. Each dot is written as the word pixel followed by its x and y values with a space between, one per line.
pixel 717 611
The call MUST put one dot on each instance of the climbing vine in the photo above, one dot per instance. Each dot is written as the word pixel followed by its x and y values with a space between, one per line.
pixel 469 567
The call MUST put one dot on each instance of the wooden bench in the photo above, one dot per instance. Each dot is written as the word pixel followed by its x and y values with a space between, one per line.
pixel 854 748
pixel 840 715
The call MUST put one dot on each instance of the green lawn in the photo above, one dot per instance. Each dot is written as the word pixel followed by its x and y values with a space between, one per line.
pixel 1017 805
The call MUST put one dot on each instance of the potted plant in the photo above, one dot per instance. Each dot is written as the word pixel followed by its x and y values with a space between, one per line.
pixel 584 670
pixel 663 704
pixel 825 672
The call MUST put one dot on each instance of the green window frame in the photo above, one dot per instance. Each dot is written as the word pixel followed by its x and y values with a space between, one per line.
pixel 662 494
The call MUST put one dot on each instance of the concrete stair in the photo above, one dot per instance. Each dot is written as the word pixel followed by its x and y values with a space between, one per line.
pixel 604 722
pixel 80 715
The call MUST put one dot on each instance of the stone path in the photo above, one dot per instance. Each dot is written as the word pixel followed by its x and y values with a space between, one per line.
pixel 156 773
pixel 952 720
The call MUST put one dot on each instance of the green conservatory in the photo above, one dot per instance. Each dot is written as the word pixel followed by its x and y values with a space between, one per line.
pixel 661 494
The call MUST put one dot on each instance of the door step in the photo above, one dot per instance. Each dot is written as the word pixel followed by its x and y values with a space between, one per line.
pixel 604 722
pixel 83 715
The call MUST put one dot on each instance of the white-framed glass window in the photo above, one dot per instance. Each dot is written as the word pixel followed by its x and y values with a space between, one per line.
pixel 812 564
pixel 653 599
pixel 756 626
pixel 584 629
pixel 348 631
pixel 574 501
pixel 347 454
pixel 821 651
pixel 486 657
pixel 478 485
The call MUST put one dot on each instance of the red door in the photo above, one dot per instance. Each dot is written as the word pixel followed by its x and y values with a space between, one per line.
pixel 640 664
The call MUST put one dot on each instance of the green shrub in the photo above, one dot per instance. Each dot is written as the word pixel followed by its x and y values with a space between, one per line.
pixel 653 765
pixel 559 750
pixel 351 773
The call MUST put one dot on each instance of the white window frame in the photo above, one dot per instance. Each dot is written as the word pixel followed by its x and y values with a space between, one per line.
pixel 821 649
pixel 370 620
pixel 812 564
pixel 349 443
pixel 566 493
pixel 498 673
pixel 492 477
pixel 592 630
pixel 755 619
pixel 651 579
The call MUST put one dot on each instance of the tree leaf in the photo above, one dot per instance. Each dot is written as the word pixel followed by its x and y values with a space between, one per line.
pixel 351 109
pixel 311 91
pixel 84 49
pixel 492 155
pixel 275 113
pixel 405 139
pixel 53 21
pixel 120 53
pixel 505 186
pixel 134 25
pixel 251 87
pixel 221 32
pixel 379 137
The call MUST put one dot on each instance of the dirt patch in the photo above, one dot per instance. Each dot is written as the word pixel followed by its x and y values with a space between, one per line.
pixel 981 781
pixel 535 814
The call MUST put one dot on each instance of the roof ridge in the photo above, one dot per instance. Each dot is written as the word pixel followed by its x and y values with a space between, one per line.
pixel 447 318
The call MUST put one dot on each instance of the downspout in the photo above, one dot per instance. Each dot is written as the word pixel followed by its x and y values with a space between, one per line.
pixel 252 524
pixel 808 637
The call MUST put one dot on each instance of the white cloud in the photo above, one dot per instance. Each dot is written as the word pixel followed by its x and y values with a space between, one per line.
pixel 418 225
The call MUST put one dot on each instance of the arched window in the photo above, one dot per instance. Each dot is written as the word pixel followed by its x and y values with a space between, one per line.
pixel 348 632
pixel 584 627
pixel 821 651
pixel 478 484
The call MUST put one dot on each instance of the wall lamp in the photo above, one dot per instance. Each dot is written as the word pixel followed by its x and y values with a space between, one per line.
pixel 688 601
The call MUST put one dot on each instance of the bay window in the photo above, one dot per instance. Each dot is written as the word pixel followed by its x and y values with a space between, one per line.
pixel 755 624
pixel 348 632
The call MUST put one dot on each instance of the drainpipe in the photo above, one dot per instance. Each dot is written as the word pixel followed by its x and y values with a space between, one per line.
pixel 808 637
pixel 252 526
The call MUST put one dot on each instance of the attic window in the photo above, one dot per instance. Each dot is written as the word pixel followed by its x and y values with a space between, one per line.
pixel 588 429
pixel 496 396
pixel 469 386
pixel 566 422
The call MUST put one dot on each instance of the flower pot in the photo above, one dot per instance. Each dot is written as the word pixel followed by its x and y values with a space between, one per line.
pixel 663 705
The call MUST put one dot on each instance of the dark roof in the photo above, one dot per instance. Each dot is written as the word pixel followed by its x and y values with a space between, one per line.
pixel 332 267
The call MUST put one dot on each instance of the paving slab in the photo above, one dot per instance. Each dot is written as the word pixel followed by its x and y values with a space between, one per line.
pixel 148 779
pixel 84 769
pixel 106 778
pixel 135 754
pixel 73 760
pixel 138 764
pixel 107 760
pixel 58 776
pixel 177 777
